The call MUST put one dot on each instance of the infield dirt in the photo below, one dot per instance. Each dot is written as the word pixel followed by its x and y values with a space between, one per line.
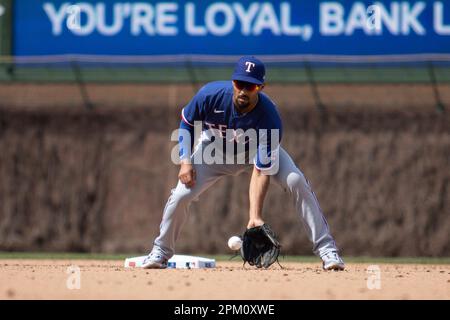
pixel 47 279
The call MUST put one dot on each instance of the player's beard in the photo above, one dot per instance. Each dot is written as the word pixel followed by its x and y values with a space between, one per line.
pixel 242 104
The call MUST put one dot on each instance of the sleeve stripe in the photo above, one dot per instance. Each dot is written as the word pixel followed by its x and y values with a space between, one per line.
pixel 184 119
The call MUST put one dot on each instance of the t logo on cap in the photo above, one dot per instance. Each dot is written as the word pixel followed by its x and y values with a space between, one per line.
pixel 249 66
pixel 249 69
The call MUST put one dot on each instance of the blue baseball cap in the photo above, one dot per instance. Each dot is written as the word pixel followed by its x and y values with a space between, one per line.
pixel 249 69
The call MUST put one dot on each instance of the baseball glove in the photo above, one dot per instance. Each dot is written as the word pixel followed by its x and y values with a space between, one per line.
pixel 260 246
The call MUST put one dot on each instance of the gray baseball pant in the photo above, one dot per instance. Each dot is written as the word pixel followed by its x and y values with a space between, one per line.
pixel 289 177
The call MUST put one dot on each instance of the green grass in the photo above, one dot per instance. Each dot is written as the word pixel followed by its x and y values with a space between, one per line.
pixel 303 259
pixel 142 74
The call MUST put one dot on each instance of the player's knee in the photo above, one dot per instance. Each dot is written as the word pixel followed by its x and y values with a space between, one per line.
pixel 296 182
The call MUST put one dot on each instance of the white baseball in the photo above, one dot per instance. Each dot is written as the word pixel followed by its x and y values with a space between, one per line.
pixel 235 243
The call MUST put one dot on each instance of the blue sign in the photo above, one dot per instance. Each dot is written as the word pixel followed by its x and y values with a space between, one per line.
pixel 47 27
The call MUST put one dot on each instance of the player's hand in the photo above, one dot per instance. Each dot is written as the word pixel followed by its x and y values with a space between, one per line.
pixel 255 223
pixel 187 174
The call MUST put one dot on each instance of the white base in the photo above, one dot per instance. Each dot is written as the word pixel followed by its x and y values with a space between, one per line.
pixel 176 262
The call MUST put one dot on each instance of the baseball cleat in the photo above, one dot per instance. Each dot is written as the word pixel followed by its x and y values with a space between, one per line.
pixel 155 261
pixel 332 261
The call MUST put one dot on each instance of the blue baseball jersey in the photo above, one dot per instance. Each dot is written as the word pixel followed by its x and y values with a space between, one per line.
pixel 213 106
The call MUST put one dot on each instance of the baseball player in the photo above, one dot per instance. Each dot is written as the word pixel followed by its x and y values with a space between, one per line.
pixel 227 111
